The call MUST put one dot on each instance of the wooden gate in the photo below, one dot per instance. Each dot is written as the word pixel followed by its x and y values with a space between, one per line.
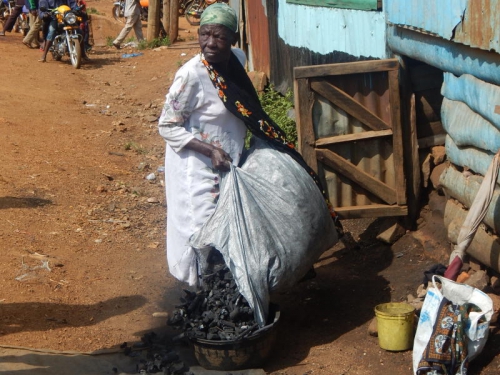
pixel 349 131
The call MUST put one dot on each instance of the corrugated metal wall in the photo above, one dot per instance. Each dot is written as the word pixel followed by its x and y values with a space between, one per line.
pixel 301 36
pixel 475 23
pixel 258 35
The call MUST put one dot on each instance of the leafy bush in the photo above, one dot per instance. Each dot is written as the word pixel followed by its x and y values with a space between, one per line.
pixel 278 106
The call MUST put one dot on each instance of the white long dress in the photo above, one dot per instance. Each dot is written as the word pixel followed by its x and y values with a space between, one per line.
pixel 193 110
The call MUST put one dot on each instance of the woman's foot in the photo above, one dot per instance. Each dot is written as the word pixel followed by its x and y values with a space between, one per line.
pixel 42 60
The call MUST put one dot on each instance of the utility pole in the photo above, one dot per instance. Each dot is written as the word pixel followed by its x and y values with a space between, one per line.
pixel 153 20
pixel 173 28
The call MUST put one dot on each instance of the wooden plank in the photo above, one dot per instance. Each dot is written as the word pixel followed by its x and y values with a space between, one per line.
pixel 348 104
pixel 372 210
pixel 304 100
pixel 363 179
pixel 433 140
pixel 353 137
pixel 345 68
pixel 344 4
pixel 397 139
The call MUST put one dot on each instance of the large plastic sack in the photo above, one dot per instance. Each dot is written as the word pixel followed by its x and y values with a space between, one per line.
pixel 477 323
pixel 271 224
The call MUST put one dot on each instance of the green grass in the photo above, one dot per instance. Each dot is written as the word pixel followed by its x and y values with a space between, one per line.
pixel 93 11
pixel 109 41
pixel 132 146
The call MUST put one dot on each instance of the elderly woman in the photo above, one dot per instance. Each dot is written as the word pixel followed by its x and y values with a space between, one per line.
pixel 207 112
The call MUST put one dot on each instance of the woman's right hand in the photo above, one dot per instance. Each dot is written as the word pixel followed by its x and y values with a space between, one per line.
pixel 220 159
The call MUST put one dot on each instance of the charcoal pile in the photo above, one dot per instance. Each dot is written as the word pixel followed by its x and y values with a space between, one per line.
pixel 217 311
pixel 153 357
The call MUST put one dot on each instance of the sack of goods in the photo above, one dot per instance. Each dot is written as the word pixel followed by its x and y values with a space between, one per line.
pixel 271 225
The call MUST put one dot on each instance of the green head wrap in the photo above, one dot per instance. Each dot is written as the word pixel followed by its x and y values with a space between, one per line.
pixel 220 14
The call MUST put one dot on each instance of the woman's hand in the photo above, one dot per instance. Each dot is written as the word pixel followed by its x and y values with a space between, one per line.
pixel 220 159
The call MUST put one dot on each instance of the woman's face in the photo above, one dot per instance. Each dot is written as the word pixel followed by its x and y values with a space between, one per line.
pixel 215 42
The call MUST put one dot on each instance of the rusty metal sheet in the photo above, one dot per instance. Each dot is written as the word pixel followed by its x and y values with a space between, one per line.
pixel 474 23
pixel 258 35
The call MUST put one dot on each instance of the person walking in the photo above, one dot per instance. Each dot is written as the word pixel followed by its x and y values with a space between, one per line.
pixel 35 26
pixel 133 16
pixel 11 21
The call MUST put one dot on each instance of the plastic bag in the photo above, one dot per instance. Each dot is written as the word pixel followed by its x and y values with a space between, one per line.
pixel 271 224
pixel 476 331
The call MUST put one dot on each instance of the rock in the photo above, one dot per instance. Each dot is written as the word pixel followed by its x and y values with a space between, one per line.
pixel 160 315
pixel 495 283
pixel 496 308
pixel 438 154
pixel 417 303
pixel 151 118
pixel 426 170
pixel 436 175
pixel 475 265
pixel 101 189
pixel 421 291
pixel 143 166
pixel 373 328
pixel 151 177
pixel 478 279
pixel 152 200
pixel 392 231
pixel 410 298
pixel 117 123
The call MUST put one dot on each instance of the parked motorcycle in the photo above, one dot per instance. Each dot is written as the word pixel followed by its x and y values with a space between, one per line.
pixel 6 9
pixel 119 10
pixel 196 7
pixel 68 40
pixel 22 23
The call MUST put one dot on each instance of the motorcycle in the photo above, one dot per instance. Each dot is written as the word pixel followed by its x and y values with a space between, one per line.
pixel 6 9
pixel 22 23
pixel 196 7
pixel 68 40
pixel 118 11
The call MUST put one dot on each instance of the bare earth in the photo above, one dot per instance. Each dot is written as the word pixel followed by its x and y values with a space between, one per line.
pixel 82 231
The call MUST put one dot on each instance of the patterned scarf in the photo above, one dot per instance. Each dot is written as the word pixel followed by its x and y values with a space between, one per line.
pixel 240 98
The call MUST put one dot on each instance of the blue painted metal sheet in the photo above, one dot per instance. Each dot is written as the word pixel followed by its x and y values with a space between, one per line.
pixel 438 17
pixel 324 30
pixel 482 97
pixel 447 56
pixel 475 159
pixel 467 128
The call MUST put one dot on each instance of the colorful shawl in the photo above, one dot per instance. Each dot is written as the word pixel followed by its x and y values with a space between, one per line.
pixel 240 98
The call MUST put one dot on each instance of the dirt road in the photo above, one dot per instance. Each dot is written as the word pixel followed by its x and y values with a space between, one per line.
pixel 82 235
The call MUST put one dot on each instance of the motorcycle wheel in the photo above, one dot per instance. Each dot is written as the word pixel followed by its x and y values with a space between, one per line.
pixel 117 14
pixel 193 12
pixel 182 9
pixel 75 53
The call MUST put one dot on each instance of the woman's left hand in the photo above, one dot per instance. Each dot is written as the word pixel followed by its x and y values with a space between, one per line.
pixel 220 159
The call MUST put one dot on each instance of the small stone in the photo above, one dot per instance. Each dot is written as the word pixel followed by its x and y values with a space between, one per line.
pixel 438 154
pixel 160 315
pixel 373 328
pixel 101 189
pixel 151 177
pixel 151 118
pixel 410 298
pixel 478 279
pixel 152 200
pixel 421 291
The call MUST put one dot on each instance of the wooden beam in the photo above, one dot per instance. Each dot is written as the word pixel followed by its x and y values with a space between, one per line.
pixel 372 210
pixel 353 137
pixel 166 15
pixel 397 139
pixel 357 67
pixel 348 104
pixel 304 100
pixel 363 179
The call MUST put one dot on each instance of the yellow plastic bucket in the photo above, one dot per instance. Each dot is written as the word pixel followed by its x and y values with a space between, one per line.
pixel 395 325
